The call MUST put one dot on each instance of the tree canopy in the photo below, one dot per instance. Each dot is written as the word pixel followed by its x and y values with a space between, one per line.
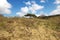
pixel 31 15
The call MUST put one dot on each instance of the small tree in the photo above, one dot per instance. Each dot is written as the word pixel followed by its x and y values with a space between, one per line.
pixel 31 15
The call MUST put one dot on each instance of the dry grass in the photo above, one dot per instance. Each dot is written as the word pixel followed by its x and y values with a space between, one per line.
pixel 29 29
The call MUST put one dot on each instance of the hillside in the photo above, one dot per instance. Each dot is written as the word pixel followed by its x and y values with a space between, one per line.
pixel 30 28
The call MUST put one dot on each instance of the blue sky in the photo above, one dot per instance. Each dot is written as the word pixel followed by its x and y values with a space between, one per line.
pixel 17 6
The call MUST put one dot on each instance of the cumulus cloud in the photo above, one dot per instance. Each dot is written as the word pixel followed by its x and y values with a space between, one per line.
pixel 43 1
pixel 28 3
pixel 56 11
pixel 36 6
pixel 57 2
pixel 5 7
pixel 32 7
pixel 41 14
pixel 24 10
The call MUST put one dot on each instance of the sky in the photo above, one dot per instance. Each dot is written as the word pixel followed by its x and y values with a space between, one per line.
pixel 22 7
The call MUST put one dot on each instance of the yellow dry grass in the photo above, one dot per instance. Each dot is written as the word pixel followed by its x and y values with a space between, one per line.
pixel 28 29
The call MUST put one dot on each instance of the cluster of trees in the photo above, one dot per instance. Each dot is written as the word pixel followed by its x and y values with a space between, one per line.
pixel 34 16
pixel 31 15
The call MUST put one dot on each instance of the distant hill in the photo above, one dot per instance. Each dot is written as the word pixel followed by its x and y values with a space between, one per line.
pixel 51 16
pixel 30 28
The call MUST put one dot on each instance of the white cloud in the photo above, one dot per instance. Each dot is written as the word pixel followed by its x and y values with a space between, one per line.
pixel 24 10
pixel 57 2
pixel 32 7
pixel 41 14
pixel 5 7
pixel 33 2
pixel 56 11
pixel 43 1
pixel 28 3
pixel 58 7
pixel 20 14
pixel 36 6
